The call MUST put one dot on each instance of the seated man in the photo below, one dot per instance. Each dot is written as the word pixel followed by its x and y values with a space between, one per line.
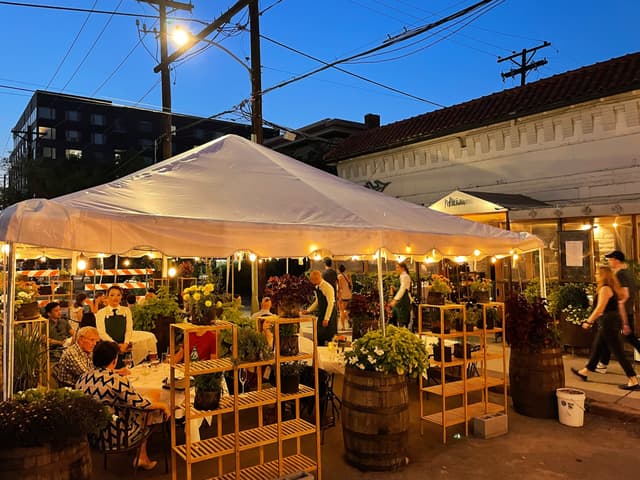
pixel 76 359
pixel 59 329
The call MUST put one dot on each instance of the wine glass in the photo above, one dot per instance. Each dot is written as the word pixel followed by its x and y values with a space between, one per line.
pixel 242 377
pixel 128 361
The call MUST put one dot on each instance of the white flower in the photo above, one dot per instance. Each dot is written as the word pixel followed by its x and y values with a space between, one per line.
pixel 353 360
pixel 371 359
pixel 360 366
pixel 364 351
pixel 378 351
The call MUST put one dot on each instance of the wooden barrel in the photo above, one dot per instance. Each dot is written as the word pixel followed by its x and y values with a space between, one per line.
pixel 375 419
pixel 72 462
pixel 533 380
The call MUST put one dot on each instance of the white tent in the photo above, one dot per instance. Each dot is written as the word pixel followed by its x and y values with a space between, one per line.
pixel 231 194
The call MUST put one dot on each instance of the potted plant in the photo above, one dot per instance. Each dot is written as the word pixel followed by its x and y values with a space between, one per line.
pixel 289 343
pixel 25 302
pixel 480 289
pixel 375 409
pixel 52 427
pixel 290 376
pixel 252 345
pixel 156 314
pixel 208 391
pixel 289 293
pixel 439 287
pixel 30 357
pixel 364 312
pixel 535 363
pixel 570 304
pixel 200 302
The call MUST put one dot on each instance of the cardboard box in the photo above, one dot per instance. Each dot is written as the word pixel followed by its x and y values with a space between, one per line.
pixel 490 425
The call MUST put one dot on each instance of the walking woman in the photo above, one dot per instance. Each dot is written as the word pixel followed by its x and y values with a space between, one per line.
pixel 609 325
pixel 401 304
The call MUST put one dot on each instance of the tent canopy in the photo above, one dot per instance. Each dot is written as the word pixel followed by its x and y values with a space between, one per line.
pixel 231 194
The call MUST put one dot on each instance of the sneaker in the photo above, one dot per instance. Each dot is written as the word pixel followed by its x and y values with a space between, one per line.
pixel 601 368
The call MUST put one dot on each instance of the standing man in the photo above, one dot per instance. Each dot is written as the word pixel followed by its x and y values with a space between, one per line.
pixel 59 329
pixel 325 304
pixel 329 274
pixel 627 302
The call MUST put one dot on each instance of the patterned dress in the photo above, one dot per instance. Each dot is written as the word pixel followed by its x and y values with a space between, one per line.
pixel 115 391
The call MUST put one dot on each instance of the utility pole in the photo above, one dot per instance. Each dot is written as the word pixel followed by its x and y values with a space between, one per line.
pixel 525 64
pixel 165 72
pixel 256 82
pixel 256 76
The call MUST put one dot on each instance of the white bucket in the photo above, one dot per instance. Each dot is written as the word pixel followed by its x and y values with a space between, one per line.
pixel 571 406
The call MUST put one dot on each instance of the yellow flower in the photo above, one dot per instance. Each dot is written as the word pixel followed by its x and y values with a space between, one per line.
pixel 208 303
pixel 197 296
pixel 186 297
pixel 219 304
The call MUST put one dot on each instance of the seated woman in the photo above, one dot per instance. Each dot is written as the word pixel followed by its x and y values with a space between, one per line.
pixel 204 343
pixel 114 390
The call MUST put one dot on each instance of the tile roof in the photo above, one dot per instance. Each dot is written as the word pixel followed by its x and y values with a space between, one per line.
pixel 599 80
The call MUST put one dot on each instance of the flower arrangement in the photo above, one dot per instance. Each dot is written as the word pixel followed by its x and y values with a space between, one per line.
pixel 185 269
pixel 480 285
pixel 26 292
pixel 38 417
pixel 199 301
pixel 398 352
pixel 575 315
pixel 440 284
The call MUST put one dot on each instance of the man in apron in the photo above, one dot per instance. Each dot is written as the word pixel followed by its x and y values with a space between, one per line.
pixel 325 305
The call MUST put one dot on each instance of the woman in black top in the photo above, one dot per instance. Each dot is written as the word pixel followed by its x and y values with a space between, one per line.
pixel 609 325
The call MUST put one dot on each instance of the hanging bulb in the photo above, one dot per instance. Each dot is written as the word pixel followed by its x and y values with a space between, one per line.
pixel 82 262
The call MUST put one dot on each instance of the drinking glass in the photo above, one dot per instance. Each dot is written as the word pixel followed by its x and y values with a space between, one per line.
pixel 242 377
pixel 128 361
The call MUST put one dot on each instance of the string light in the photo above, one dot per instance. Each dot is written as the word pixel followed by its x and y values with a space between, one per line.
pixel 252 257
pixel 126 262
pixel 82 262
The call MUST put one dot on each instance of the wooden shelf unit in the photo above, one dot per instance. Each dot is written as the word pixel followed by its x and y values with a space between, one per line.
pixel 447 389
pixel 231 444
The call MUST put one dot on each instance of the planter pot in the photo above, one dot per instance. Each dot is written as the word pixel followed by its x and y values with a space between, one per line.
pixel 534 378
pixel 575 336
pixel 375 420
pixel 437 353
pixel 360 326
pixel 206 400
pixel 28 311
pixel 72 462
pixel 435 298
pixel 481 297
pixel 289 383
pixel 289 345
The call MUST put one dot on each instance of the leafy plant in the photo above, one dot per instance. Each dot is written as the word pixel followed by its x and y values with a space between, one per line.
pixel 289 291
pixel 398 352
pixel 291 368
pixel 30 357
pixel 570 294
pixel 480 285
pixel 252 345
pixel 529 324
pixel 26 292
pixel 474 314
pixel 575 315
pixel 365 305
pixel 439 284
pixel 38 417
pixel 289 329
pixel 162 305
pixel 208 382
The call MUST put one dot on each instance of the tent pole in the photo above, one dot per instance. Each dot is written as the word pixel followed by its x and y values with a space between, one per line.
pixel 227 284
pixel 9 318
pixel 254 286
pixel 381 293
pixel 543 280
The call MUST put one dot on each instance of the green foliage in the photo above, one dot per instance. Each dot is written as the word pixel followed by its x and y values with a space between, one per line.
pixel 399 352
pixel 529 325
pixel 30 357
pixel 233 315
pixel 289 329
pixel 252 345
pixel 288 369
pixel 162 305
pixel 532 290
pixel 563 296
pixel 208 382
pixel 38 417
pixel 575 315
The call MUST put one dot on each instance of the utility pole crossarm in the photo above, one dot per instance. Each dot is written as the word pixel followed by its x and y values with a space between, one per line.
pixel 203 34
pixel 525 64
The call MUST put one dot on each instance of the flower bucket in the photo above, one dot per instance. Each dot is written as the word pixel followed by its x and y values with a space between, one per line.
pixel 571 406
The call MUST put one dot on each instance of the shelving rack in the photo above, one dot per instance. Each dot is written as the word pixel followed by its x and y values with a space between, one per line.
pixel 234 444
pixel 447 416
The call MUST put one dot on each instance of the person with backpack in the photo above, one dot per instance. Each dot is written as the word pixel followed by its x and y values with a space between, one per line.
pixel 345 288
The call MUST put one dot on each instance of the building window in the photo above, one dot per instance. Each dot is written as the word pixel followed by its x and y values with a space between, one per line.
pixel 145 126
pixel 46 113
pixel 97 119
pixel 118 155
pixel 49 152
pixel 119 125
pixel 73 154
pixel 72 135
pixel 72 115
pixel 46 133
pixel 98 138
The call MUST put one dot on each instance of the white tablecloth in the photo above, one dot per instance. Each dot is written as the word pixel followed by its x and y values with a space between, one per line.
pixel 144 343
pixel 330 361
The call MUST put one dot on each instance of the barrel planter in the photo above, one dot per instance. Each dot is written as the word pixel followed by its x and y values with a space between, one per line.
pixel 72 462
pixel 375 420
pixel 534 377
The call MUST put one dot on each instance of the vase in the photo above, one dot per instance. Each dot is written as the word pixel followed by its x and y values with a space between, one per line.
pixel 534 377
pixel 68 462
pixel 375 419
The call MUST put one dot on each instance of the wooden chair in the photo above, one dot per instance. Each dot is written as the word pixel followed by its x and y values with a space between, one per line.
pixel 117 438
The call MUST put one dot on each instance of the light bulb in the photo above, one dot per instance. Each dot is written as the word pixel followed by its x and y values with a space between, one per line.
pixel 172 272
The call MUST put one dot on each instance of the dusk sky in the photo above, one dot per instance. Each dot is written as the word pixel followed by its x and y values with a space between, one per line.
pixel 54 49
